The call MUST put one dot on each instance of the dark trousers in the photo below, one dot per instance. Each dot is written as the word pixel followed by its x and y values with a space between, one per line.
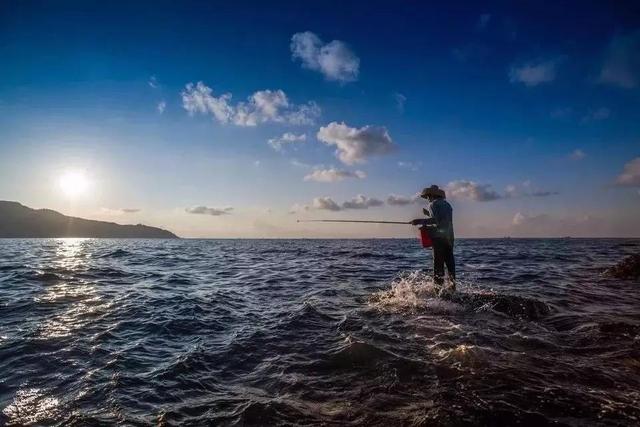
pixel 443 254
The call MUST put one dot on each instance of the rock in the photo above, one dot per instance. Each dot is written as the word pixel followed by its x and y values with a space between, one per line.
pixel 628 268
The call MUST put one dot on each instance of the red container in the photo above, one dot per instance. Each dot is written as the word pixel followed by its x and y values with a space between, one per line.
pixel 425 240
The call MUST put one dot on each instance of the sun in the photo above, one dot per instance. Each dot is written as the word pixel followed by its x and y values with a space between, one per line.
pixel 73 183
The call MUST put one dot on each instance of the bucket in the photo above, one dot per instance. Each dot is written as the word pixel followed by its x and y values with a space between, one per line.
pixel 425 239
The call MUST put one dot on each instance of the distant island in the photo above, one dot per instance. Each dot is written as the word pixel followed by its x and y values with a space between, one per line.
pixel 17 220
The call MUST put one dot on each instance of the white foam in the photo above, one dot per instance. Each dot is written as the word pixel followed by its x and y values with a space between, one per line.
pixel 412 292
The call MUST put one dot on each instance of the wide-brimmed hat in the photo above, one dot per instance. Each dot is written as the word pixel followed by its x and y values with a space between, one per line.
pixel 434 190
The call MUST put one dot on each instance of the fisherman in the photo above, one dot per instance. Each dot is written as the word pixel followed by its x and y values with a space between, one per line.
pixel 440 228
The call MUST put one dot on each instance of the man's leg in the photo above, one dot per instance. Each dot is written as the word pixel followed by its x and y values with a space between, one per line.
pixel 451 266
pixel 438 262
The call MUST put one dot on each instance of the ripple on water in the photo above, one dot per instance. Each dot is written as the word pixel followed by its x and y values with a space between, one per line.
pixel 268 332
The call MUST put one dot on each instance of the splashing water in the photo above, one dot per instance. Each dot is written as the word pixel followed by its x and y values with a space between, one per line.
pixel 412 292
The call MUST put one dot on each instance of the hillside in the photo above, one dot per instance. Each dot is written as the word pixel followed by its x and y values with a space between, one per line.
pixel 17 220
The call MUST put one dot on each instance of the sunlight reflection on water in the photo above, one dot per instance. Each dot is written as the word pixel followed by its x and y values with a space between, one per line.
pixel 222 332
pixel 69 257
pixel 31 406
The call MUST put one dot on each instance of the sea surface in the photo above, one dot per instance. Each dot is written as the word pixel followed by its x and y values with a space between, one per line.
pixel 316 332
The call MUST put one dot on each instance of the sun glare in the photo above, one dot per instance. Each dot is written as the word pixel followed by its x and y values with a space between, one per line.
pixel 73 183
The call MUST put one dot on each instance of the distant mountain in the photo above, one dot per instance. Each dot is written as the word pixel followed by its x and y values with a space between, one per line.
pixel 17 220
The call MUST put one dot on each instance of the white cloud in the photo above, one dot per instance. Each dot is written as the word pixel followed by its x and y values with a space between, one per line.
pixel 355 145
pixel 471 190
pixel 518 218
pixel 153 82
pixel 534 73
pixel 511 191
pixel 483 21
pixel 362 202
pixel 120 211
pixel 303 114
pixel 334 60
pixel 204 210
pixel 287 138
pixel 325 203
pixel 328 204
pixel 261 107
pixel 297 163
pixel 297 208
pixel 333 175
pixel 599 114
pixel 161 107
pixel 622 61
pixel 412 166
pixel 395 200
pixel 577 154
pixel 525 190
pixel 199 98
pixel 630 175
pixel 400 100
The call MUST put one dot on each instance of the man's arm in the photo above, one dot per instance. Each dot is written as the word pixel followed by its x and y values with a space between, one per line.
pixel 424 221
pixel 434 215
pixel 430 220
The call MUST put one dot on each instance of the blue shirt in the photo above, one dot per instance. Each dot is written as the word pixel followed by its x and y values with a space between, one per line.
pixel 441 219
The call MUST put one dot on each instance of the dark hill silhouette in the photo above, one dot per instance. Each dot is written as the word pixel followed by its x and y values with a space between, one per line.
pixel 17 220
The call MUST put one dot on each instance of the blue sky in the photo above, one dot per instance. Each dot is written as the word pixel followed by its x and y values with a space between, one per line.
pixel 528 114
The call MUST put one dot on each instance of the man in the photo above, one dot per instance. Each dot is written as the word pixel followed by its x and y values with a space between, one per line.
pixel 440 227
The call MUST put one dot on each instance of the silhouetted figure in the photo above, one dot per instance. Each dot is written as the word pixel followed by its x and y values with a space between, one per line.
pixel 440 227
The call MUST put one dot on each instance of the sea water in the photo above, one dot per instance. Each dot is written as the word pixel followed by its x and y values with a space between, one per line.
pixel 305 332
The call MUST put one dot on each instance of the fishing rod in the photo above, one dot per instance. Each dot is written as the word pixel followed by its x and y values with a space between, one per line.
pixel 425 239
pixel 354 220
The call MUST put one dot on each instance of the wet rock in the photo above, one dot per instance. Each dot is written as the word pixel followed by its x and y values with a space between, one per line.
pixel 628 268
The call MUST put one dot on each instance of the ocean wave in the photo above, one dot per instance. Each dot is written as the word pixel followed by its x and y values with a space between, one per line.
pixel 224 332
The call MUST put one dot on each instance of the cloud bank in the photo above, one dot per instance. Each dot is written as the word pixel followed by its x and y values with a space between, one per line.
pixel 356 145
pixel 471 190
pixel 334 60
pixel 204 210
pixel 328 204
pixel 395 200
pixel 333 175
pixel 325 203
pixel 630 175
pixel 262 107
pixel 362 202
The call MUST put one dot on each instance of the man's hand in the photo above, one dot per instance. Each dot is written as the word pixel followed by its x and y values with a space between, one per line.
pixel 417 221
